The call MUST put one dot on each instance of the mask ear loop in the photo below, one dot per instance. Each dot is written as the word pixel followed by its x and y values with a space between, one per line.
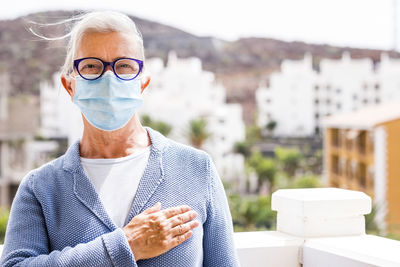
pixel 70 74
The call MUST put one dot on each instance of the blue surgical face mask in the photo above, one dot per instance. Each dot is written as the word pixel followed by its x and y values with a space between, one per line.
pixel 108 103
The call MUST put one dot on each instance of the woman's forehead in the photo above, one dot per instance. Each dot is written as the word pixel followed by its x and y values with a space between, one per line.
pixel 108 46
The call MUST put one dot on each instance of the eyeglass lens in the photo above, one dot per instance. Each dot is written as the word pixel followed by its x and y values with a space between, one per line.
pixel 124 68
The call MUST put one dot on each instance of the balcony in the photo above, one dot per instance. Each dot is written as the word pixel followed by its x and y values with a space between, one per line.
pixel 317 227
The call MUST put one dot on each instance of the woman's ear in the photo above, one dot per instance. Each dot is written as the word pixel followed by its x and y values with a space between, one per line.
pixel 67 83
pixel 145 80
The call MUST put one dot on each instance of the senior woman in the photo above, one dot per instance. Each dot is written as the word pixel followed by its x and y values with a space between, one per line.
pixel 123 195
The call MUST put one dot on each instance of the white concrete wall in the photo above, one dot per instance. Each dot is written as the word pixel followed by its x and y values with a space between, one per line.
pixel 317 227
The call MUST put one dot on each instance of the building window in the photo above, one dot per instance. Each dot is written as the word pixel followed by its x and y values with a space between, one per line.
pixel 362 174
pixel 335 137
pixel 349 173
pixel 362 142
pixel 335 164
pixel 349 140
pixel 370 142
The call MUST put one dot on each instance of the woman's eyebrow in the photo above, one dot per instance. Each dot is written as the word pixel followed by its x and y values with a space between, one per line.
pixel 116 58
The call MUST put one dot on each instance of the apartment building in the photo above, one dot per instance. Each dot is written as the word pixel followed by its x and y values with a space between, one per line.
pixel 298 97
pixel 362 152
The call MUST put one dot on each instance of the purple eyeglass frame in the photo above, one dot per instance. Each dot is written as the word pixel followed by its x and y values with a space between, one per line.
pixel 105 64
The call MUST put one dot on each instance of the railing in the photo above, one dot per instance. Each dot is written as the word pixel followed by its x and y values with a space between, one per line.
pixel 318 227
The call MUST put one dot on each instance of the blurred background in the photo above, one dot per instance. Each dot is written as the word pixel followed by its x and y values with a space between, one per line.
pixel 282 94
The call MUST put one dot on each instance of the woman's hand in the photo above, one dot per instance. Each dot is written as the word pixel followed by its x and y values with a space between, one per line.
pixel 154 231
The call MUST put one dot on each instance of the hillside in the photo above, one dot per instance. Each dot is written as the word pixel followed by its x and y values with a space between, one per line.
pixel 240 65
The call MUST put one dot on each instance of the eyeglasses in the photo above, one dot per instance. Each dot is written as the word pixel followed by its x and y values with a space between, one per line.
pixel 92 68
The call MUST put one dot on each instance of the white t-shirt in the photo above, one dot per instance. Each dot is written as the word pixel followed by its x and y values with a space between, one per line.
pixel 116 181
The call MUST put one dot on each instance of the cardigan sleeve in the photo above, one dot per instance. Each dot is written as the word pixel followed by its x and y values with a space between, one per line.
pixel 27 244
pixel 219 249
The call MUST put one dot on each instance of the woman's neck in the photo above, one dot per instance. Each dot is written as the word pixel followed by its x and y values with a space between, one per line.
pixel 96 143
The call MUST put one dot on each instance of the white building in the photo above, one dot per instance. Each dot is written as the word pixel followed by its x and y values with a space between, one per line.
pixel 178 93
pixel 289 98
pixel 298 97
pixel 20 150
pixel 59 117
pixel 182 91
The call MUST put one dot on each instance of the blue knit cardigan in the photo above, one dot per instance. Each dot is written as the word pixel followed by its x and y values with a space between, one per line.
pixel 57 218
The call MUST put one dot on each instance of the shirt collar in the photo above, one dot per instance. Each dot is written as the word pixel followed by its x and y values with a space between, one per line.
pixel 72 157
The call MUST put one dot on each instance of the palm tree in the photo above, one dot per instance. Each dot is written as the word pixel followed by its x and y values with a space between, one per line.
pixel 290 159
pixel 146 120
pixel 265 169
pixel 198 133
pixel 271 125
pixel 160 126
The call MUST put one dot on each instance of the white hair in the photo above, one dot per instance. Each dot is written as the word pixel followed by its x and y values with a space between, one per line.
pixel 98 21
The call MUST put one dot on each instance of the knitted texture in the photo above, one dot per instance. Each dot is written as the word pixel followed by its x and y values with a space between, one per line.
pixel 57 218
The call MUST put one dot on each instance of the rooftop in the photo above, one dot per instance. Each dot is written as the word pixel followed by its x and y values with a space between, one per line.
pixel 364 118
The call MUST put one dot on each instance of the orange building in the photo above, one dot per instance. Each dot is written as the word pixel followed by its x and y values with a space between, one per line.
pixel 362 152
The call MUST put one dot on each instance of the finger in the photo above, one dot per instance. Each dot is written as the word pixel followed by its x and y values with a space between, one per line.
pixel 168 213
pixel 183 228
pixel 181 238
pixel 182 218
pixel 155 208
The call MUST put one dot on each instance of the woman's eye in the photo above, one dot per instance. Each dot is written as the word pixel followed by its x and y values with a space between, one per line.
pixel 89 66
pixel 126 69
pixel 127 66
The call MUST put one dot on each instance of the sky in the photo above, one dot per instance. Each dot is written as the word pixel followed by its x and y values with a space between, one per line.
pixel 356 23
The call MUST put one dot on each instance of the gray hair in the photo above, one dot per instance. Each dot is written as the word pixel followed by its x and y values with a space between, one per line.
pixel 98 21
